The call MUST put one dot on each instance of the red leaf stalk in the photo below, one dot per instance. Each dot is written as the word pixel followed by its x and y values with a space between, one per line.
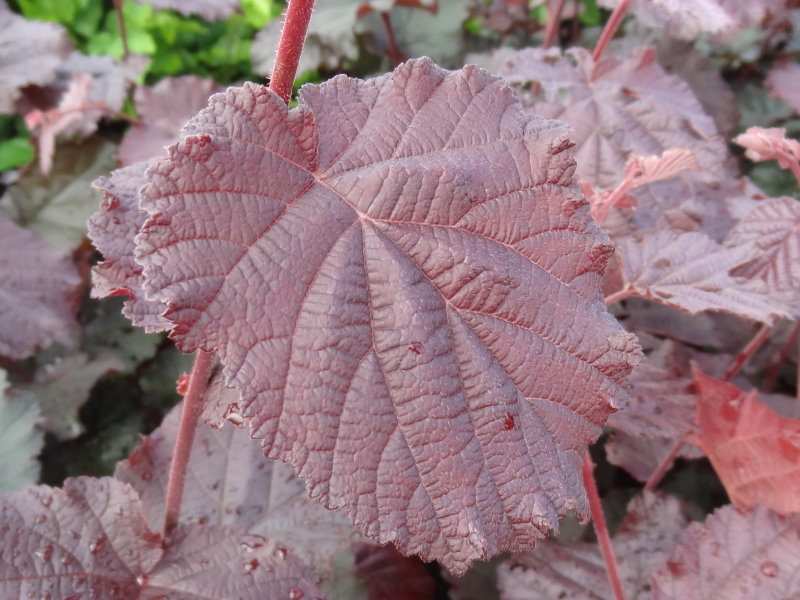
pixel 190 414
pixel 394 53
pixel 752 347
pixel 600 527
pixel 666 462
pixel 780 357
pixel 553 22
pixel 293 36
pixel 614 21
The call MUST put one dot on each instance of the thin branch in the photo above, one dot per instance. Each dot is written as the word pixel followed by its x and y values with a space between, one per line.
pixel 600 527
pixel 553 23
pixel 619 296
pixel 394 54
pixel 614 21
pixel 293 36
pixel 751 348
pixel 666 463
pixel 190 415
pixel 123 33
pixel 781 356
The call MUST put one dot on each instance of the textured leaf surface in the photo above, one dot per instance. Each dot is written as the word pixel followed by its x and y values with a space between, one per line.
pixel 784 82
pixel 230 482
pixel 113 229
pixel 37 289
pixel 30 51
pixel 774 227
pixel 56 206
pixel 163 109
pixel 690 271
pixel 736 555
pixel 617 108
pixel 208 9
pixel 20 440
pixel 90 539
pixel 647 536
pixel 394 253
pixel 755 451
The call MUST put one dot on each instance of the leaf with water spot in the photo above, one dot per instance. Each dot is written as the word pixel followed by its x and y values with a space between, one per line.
pixel 736 555
pixel 91 539
pixel 387 271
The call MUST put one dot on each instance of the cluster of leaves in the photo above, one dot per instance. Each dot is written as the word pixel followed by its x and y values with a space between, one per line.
pixel 400 286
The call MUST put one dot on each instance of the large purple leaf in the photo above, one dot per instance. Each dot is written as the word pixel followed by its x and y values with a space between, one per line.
pixel 38 288
pixel 736 555
pixel 90 540
pixel 401 279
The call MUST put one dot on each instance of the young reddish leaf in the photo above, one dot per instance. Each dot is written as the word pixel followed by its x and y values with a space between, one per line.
pixel 230 482
pixel 736 555
pixel 575 571
pixel 38 294
pixel 380 271
pixel 690 271
pixel 212 10
pixel 113 229
pixel 163 109
pixel 31 52
pixel 783 80
pixel 771 144
pixel 20 439
pixel 617 108
pixel 90 539
pixel 755 451
pixel 774 227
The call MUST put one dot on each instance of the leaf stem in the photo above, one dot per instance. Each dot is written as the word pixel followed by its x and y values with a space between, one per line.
pixel 614 21
pixel 394 53
pixel 666 463
pixel 619 296
pixel 553 23
pixel 752 346
pixel 780 357
pixel 190 414
pixel 293 36
pixel 123 33
pixel 600 527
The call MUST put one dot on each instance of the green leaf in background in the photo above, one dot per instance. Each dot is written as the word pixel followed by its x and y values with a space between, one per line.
pixel 258 13
pixel 15 152
pixel 591 15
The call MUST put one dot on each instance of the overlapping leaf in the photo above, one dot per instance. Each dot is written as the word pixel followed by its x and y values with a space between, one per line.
pixel 30 51
pixel 113 229
pixel 736 555
pixel 754 450
pixel 576 571
pixel 20 439
pixel 163 109
pixel 91 540
pixel 690 271
pixel 230 482
pixel 38 287
pixel 399 277
pixel 617 108
pixel 782 80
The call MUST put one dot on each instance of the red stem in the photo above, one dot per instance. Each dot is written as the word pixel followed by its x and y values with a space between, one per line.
pixel 394 53
pixel 190 414
pixel 666 463
pixel 293 35
pixel 752 346
pixel 553 23
pixel 600 527
pixel 781 357
pixel 619 296
pixel 614 21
